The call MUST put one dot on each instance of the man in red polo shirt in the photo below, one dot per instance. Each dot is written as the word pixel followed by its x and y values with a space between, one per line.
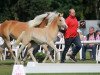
pixel 71 36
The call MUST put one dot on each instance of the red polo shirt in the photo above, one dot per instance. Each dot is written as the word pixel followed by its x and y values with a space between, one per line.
pixel 72 27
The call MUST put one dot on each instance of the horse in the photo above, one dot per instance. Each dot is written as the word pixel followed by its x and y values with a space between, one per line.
pixel 13 28
pixel 40 36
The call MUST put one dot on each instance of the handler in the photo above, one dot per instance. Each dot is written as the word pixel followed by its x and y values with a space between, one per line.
pixel 71 36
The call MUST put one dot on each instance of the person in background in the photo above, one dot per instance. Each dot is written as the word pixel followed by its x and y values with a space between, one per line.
pixel 97 34
pixel 80 34
pixel 90 36
pixel 82 26
pixel 98 37
pixel 71 36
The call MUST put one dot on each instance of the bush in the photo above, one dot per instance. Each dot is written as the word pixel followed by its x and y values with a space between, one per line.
pixel 40 56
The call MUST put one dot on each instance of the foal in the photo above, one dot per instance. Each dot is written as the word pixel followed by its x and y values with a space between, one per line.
pixel 40 36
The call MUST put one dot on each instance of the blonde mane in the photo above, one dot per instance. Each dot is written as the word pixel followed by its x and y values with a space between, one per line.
pixel 37 20
pixel 51 17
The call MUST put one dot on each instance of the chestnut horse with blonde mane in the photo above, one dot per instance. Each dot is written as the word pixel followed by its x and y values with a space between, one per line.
pixel 14 28
pixel 40 36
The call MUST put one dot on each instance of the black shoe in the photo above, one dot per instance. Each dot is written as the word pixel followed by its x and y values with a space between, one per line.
pixel 93 59
pixel 73 58
pixel 62 62
pixel 83 59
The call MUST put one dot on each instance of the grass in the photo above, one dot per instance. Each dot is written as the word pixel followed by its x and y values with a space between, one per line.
pixel 5 70
pixel 7 66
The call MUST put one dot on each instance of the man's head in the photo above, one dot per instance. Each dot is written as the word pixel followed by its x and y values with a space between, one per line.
pixel 72 12
pixel 98 32
pixel 91 30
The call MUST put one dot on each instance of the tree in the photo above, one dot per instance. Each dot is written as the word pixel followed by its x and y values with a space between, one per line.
pixel 25 10
pixel 65 5
pixel 28 9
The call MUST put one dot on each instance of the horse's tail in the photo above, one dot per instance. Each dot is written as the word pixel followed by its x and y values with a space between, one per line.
pixel 20 38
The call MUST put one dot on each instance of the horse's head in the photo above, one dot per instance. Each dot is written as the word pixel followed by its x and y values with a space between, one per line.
pixel 61 21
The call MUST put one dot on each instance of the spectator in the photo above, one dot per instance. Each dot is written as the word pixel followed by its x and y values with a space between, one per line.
pixel 90 36
pixel 82 26
pixel 98 35
pixel 80 34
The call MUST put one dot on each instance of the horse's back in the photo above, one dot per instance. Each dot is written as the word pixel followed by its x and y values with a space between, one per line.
pixel 13 27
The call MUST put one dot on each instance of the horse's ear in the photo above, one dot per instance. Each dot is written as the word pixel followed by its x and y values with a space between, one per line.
pixel 59 14
pixel 62 14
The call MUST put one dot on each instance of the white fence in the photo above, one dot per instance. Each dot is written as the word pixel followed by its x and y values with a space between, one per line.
pixel 55 68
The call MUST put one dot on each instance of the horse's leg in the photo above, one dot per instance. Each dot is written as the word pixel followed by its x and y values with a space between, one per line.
pixel 32 56
pixel 47 54
pixel 7 42
pixel 29 52
pixel 51 44
pixel 26 53
pixel 18 53
pixel 46 49
pixel 25 58
pixel 33 46
pixel 0 53
pixel 2 47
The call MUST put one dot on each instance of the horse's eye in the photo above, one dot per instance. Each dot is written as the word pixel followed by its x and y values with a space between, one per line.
pixel 60 20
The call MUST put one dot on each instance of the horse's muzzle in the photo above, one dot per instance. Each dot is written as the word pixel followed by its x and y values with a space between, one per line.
pixel 65 27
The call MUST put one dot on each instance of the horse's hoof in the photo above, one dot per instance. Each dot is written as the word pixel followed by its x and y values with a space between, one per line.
pixel 53 62
pixel 22 62
pixel 58 61
pixel 43 62
pixel 15 62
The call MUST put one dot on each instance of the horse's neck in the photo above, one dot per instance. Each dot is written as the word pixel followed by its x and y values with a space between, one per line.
pixel 43 24
pixel 53 27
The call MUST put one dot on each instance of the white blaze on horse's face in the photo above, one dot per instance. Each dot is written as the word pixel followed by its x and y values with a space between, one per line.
pixel 62 22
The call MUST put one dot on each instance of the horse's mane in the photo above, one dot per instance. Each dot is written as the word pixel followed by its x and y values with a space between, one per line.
pixel 37 20
pixel 51 17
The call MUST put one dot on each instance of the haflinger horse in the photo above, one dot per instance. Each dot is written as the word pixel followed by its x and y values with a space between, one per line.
pixel 40 36
pixel 14 28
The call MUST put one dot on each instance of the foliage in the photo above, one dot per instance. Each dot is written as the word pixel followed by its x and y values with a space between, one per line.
pixel 40 56
pixel 25 10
